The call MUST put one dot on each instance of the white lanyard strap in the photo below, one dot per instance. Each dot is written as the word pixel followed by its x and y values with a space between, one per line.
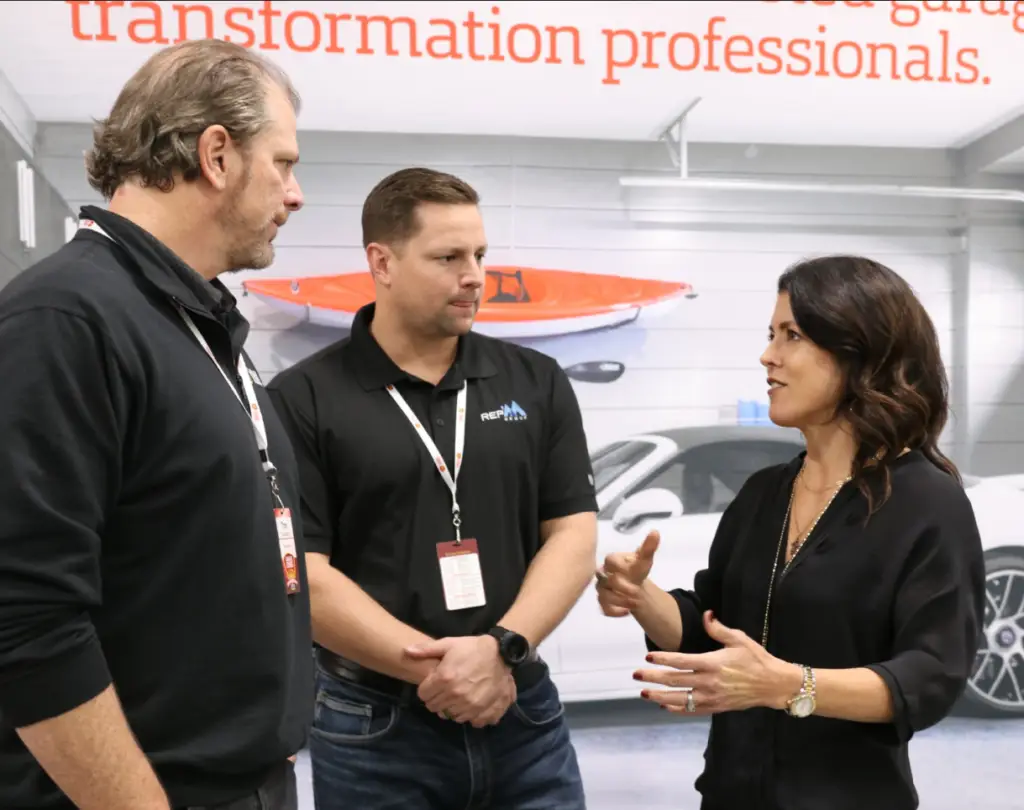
pixel 253 407
pixel 460 444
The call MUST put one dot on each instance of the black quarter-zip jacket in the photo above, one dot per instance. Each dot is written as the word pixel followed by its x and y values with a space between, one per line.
pixel 138 545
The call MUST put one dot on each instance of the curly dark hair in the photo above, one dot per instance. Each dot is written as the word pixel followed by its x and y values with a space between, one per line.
pixel 896 391
pixel 155 124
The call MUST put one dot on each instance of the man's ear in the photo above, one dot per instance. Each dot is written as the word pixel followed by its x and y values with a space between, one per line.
pixel 214 148
pixel 379 258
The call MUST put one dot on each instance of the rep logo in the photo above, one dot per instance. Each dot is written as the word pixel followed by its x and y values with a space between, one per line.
pixel 506 413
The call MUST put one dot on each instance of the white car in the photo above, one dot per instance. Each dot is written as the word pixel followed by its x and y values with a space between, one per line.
pixel 680 481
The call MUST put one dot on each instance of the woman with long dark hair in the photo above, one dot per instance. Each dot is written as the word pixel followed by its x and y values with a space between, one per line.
pixel 842 602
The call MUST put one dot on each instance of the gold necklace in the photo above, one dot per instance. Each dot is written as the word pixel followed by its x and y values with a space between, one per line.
pixel 816 492
pixel 800 545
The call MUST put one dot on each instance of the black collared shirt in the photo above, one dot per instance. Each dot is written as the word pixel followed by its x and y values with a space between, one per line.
pixel 138 545
pixel 375 503
pixel 902 596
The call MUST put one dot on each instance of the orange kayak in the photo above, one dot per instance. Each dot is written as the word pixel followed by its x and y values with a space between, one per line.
pixel 517 301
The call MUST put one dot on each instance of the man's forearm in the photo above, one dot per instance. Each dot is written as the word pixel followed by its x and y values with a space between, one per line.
pixel 93 757
pixel 556 579
pixel 348 622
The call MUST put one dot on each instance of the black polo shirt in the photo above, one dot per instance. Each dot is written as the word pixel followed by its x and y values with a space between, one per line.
pixel 372 498
pixel 138 546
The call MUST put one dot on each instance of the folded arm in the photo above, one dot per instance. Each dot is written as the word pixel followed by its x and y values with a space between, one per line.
pixel 564 566
pixel 63 412
pixel 350 623
pixel 937 620
pixel 556 578
pixel 345 619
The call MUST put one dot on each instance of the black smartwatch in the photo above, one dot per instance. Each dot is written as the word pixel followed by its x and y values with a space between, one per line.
pixel 513 648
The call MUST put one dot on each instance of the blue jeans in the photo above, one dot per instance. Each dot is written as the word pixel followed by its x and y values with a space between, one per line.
pixel 372 751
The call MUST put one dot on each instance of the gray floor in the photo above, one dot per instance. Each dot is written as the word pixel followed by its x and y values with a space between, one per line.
pixel 634 756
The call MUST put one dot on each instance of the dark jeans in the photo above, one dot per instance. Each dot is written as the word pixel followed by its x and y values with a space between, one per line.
pixel 279 792
pixel 372 751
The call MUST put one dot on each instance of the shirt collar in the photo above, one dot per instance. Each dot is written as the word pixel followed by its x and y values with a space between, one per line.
pixel 164 270
pixel 161 266
pixel 375 369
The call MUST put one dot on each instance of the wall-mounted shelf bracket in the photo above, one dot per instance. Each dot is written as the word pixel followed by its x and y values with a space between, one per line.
pixel 674 137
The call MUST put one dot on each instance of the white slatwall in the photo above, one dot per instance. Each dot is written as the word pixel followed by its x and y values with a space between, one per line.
pixel 995 354
pixel 559 204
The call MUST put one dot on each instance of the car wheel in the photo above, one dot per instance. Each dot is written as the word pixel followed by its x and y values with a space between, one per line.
pixel 996 685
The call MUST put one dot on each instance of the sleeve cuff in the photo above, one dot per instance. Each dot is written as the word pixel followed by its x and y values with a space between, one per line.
pixel 695 637
pixel 900 709
pixel 568 506
pixel 57 686
pixel 318 544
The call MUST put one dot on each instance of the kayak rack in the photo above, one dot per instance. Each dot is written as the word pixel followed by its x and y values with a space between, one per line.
pixel 502 297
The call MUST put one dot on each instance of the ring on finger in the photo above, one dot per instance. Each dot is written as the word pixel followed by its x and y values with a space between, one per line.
pixel 691 705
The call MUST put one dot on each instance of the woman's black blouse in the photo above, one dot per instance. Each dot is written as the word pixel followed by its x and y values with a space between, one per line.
pixel 902 596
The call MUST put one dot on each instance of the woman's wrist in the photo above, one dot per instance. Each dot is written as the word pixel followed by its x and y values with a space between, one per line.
pixel 784 681
pixel 648 599
pixel 658 614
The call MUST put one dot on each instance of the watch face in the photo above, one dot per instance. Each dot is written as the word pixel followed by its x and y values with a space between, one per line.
pixel 802 706
pixel 515 647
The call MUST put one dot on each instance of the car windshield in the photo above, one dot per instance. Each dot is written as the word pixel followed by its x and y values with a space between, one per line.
pixel 612 460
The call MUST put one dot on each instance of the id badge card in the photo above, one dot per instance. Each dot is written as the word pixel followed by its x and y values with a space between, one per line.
pixel 461 575
pixel 289 554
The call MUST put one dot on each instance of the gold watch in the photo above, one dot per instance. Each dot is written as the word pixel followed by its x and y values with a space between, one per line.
pixel 803 703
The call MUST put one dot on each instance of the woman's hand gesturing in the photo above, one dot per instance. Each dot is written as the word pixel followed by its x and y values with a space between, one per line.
pixel 739 676
pixel 620 581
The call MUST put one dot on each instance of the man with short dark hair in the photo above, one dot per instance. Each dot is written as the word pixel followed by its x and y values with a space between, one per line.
pixel 154 616
pixel 450 517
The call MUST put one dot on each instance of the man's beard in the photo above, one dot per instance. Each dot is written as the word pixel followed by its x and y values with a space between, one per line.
pixel 248 247
pixel 250 255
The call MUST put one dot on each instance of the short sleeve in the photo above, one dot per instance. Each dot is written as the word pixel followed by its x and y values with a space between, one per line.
pixel 62 413
pixel 291 394
pixel 937 619
pixel 567 479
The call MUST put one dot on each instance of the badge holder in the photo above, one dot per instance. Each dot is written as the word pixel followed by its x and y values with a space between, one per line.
pixel 461 575
pixel 285 539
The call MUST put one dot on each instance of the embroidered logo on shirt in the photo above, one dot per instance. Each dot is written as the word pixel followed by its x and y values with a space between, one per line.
pixel 511 412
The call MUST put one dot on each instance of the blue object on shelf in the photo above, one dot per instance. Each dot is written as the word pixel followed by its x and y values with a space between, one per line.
pixel 751 412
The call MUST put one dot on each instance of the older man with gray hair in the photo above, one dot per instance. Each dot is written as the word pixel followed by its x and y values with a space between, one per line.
pixel 154 618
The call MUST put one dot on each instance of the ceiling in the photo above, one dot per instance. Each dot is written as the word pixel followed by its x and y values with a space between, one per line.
pixel 67 65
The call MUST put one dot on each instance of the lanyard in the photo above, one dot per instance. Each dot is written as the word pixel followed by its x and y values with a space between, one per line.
pixel 252 408
pixel 460 444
